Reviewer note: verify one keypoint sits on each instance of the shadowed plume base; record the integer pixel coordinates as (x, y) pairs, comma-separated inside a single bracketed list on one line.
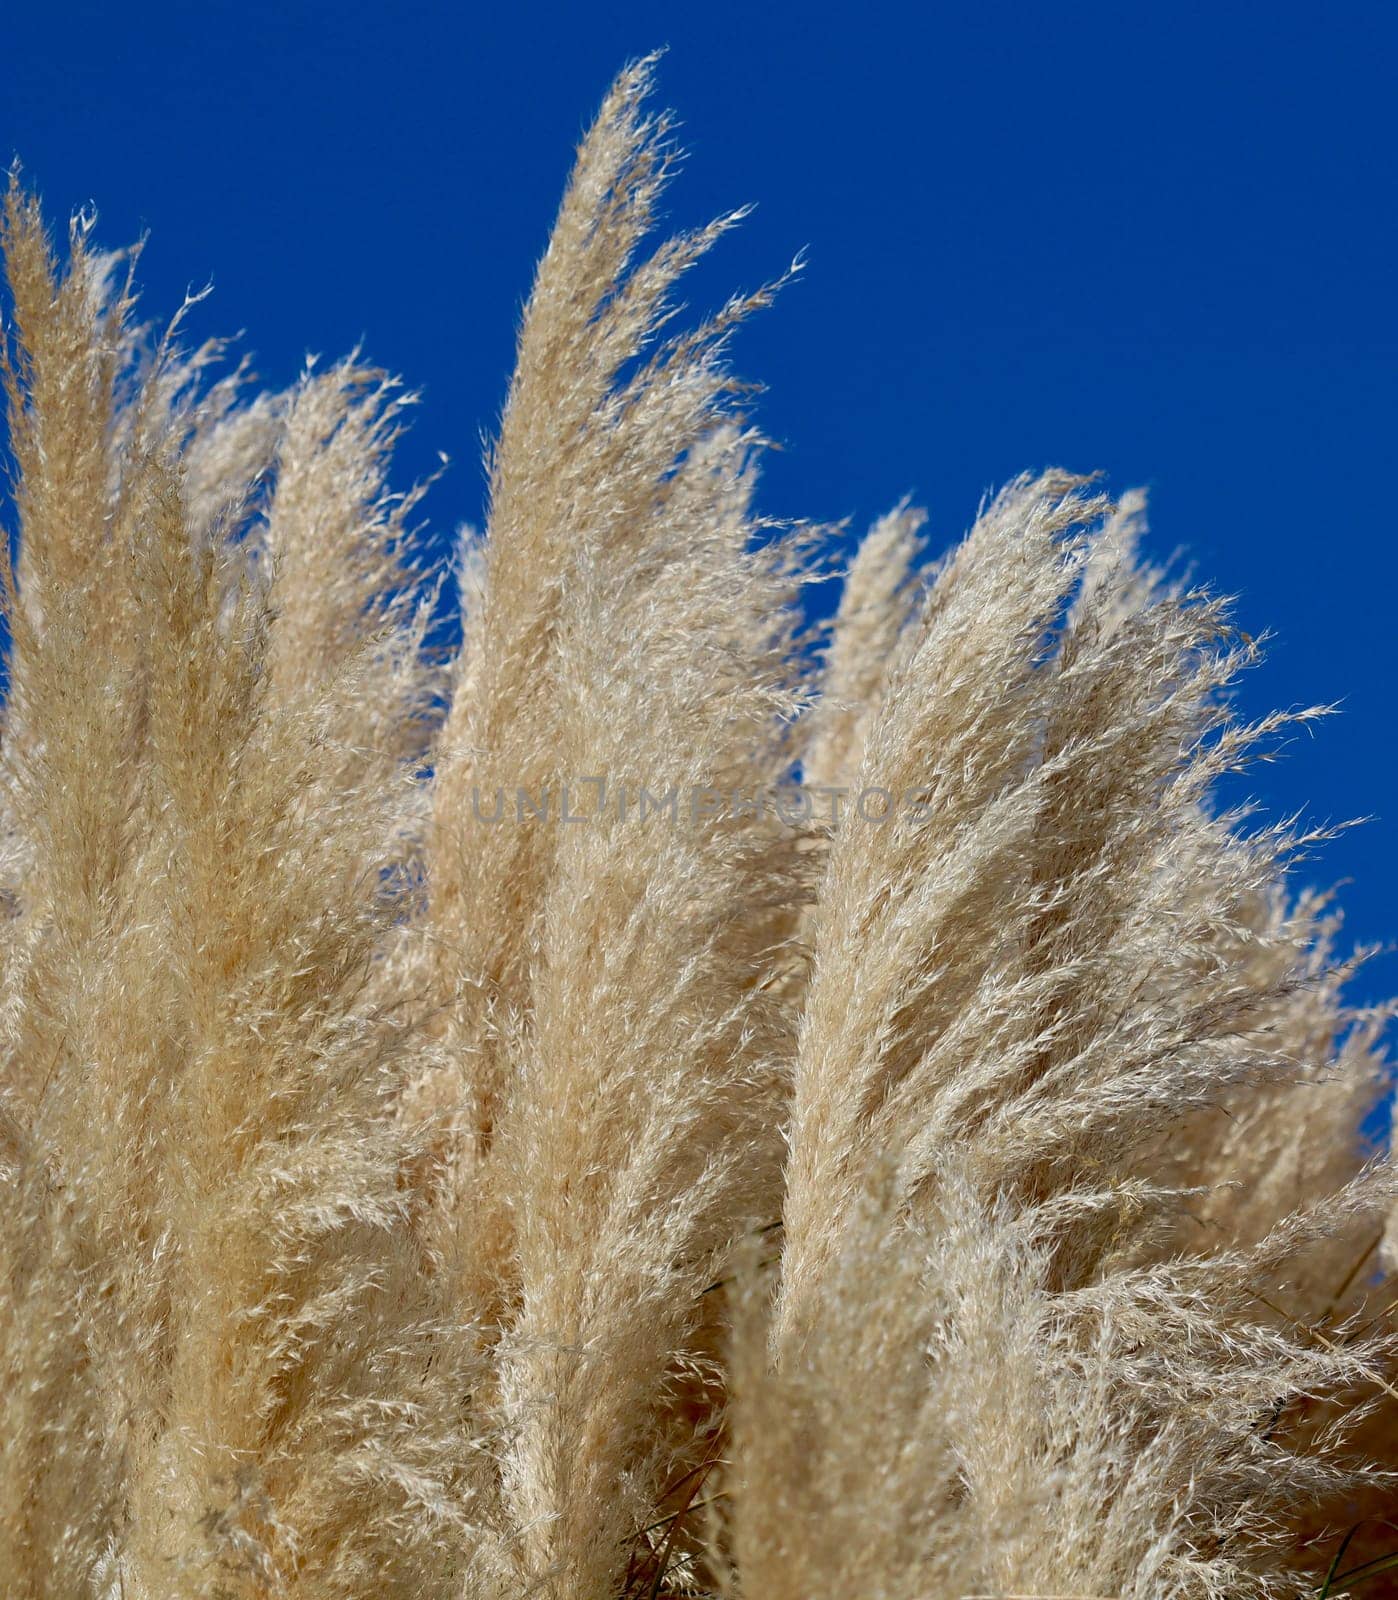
[(964, 1201)]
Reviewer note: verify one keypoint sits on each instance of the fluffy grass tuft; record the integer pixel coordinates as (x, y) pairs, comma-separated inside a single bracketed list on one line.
[(659, 1100)]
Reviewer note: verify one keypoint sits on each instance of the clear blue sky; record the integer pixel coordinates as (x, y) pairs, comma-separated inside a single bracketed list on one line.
[(1154, 240)]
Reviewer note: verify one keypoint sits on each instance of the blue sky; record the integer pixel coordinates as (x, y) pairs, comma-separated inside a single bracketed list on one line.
[(1157, 241)]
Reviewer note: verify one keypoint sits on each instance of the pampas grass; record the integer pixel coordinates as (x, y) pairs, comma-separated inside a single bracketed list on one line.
[(660, 1100)]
